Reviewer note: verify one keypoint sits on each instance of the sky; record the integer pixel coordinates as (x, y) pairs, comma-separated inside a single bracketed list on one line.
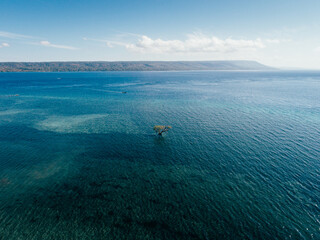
[(279, 33)]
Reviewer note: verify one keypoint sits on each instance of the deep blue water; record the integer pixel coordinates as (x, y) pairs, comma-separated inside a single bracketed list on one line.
[(79, 159)]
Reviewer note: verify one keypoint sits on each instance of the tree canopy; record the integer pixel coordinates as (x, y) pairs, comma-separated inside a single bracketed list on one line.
[(159, 129)]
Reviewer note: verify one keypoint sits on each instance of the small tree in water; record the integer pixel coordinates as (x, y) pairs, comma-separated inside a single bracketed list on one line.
[(159, 129)]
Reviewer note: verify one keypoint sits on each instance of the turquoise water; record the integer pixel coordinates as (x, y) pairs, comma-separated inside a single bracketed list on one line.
[(79, 159)]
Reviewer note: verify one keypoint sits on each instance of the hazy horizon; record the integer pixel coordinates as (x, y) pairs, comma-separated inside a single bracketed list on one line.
[(285, 68), (278, 34)]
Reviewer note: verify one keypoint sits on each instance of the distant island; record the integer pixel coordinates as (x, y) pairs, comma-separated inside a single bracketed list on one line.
[(130, 66)]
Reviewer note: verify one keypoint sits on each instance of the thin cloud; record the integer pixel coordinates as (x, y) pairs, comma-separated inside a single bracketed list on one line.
[(277, 41), (195, 43), (49, 44), (317, 49), (4, 45), (13, 35), (108, 43), (94, 39)]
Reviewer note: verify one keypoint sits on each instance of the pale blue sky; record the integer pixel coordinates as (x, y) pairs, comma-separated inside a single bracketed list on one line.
[(278, 33)]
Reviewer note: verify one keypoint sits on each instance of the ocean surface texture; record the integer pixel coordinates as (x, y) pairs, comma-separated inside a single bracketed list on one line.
[(79, 158)]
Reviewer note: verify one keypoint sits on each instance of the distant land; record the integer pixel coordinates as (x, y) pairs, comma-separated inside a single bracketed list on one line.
[(130, 66)]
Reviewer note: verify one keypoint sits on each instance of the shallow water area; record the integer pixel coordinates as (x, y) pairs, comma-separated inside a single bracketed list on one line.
[(79, 158)]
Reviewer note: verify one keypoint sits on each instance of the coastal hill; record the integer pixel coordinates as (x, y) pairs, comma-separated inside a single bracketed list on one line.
[(130, 66)]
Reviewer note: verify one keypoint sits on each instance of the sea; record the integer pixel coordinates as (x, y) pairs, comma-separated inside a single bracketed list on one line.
[(79, 158)]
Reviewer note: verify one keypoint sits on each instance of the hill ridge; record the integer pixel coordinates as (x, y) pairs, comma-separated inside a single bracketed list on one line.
[(83, 66)]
